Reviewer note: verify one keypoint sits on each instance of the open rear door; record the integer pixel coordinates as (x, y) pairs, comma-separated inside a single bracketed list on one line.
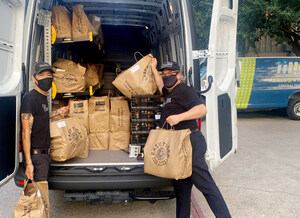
[(11, 40), (215, 46), (221, 119)]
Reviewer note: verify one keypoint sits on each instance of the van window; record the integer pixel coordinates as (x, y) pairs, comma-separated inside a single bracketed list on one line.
[(202, 17), (227, 3), (6, 41), (178, 48)]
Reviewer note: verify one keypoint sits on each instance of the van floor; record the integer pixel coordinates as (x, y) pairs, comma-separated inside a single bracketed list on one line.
[(101, 158)]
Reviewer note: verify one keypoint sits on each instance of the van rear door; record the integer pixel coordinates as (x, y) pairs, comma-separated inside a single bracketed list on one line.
[(11, 40), (221, 115)]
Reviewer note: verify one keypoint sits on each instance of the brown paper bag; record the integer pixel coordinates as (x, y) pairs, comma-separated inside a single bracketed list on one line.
[(138, 79), (34, 201), (99, 141), (96, 28), (99, 114), (119, 115), (68, 138), (168, 154), (85, 152), (61, 20), (119, 140), (80, 108), (94, 74), (68, 76), (96, 23), (81, 26)]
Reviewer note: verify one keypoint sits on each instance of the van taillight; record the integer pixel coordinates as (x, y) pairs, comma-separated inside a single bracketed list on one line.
[(199, 123), (20, 182), (20, 147)]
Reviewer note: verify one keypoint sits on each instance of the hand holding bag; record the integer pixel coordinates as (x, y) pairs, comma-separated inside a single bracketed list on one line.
[(168, 154)]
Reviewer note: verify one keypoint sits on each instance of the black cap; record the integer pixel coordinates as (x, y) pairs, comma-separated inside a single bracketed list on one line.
[(171, 65), (41, 66)]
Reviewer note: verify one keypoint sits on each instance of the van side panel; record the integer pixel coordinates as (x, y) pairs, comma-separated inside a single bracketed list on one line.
[(267, 82), (7, 135)]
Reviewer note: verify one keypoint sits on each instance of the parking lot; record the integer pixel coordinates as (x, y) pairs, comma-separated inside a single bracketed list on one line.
[(260, 180)]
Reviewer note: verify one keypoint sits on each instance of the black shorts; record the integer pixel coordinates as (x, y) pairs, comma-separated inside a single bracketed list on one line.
[(41, 164)]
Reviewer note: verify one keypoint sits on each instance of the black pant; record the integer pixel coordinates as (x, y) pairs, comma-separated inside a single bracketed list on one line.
[(41, 164), (202, 179)]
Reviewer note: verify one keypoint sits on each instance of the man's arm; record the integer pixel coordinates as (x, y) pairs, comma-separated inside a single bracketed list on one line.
[(61, 111), (158, 79), (195, 112), (27, 122)]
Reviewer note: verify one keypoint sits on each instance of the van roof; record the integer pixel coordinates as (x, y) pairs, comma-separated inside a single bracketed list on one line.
[(121, 12)]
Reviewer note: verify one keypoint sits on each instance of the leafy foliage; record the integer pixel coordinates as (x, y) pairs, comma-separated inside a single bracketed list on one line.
[(202, 10), (276, 18)]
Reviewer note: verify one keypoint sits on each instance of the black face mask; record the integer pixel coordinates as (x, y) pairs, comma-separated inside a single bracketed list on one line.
[(44, 84), (169, 81)]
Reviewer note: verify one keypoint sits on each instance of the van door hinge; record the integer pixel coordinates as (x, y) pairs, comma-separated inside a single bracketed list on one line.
[(197, 54)]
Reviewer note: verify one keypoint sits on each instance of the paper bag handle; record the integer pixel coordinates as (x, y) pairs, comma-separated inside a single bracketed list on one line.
[(33, 182), (137, 52), (172, 127)]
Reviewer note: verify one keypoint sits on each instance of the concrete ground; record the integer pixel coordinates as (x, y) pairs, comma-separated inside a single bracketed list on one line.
[(261, 180)]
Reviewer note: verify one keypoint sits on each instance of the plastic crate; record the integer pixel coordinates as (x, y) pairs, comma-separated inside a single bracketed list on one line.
[(151, 101), (142, 126), (144, 111), (143, 114), (139, 138)]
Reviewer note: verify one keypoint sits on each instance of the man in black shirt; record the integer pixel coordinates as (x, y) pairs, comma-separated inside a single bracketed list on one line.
[(35, 124), (181, 107)]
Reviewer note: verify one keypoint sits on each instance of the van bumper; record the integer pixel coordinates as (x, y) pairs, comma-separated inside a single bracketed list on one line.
[(99, 182)]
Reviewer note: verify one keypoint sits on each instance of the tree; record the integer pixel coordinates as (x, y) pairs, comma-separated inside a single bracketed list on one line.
[(276, 18), (202, 10)]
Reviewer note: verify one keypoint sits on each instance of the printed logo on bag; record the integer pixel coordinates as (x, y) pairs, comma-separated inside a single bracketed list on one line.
[(147, 73), (99, 106), (120, 117), (160, 153), (79, 108), (46, 206), (78, 104), (27, 210), (69, 80), (75, 136), (129, 88)]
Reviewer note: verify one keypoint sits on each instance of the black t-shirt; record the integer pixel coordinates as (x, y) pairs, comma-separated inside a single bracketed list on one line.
[(181, 99), (37, 104)]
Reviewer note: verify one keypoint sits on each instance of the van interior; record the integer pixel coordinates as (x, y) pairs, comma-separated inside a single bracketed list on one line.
[(152, 26)]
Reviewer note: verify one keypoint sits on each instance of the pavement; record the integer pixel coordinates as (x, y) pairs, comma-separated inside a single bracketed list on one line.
[(261, 180)]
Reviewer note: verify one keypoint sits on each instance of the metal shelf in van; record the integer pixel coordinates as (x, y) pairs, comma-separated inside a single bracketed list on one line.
[(89, 92)]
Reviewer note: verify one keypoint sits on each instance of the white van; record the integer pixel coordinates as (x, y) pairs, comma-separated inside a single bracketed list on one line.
[(163, 27)]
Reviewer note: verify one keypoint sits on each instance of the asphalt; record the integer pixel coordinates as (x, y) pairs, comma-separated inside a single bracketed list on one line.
[(263, 178)]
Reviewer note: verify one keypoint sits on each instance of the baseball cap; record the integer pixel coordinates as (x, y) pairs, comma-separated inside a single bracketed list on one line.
[(41, 66), (171, 65)]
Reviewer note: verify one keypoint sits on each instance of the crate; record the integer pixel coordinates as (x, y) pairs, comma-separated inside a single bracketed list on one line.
[(142, 126), (144, 114), (139, 138), (146, 101), (144, 111)]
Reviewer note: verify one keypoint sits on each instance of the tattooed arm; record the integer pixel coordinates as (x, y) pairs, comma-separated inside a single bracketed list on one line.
[(27, 122)]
